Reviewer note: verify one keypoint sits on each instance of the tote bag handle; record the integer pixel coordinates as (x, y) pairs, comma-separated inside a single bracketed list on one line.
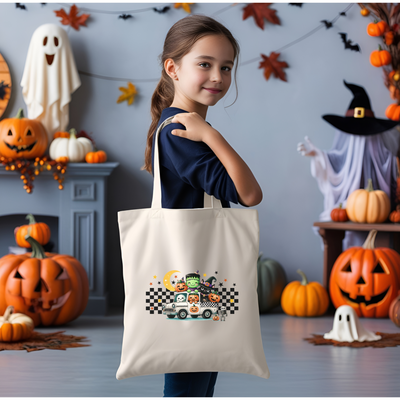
[(209, 201)]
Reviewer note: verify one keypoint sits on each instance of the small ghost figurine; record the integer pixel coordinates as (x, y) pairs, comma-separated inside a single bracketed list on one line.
[(348, 328), (49, 78)]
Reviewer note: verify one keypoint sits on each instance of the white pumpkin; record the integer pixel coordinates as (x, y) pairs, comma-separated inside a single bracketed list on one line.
[(74, 148)]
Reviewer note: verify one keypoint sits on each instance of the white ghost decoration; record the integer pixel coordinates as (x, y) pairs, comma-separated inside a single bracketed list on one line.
[(180, 298), (347, 327), (49, 78)]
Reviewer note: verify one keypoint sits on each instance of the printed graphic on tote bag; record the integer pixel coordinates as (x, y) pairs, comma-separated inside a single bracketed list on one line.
[(192, 298)]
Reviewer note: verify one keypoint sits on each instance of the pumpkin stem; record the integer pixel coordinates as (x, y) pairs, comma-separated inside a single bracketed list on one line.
[(20, 113), (7, 314), (37, 249), (73, 132), (31, 219), (379, 47), (340, 205), (370, 188), (370, 240), (304, 281)]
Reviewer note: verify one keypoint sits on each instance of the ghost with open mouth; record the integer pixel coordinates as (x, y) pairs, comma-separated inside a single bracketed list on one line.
[(49, 78)]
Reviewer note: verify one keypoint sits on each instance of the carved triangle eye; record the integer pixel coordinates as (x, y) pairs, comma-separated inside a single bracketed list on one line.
[(378, 269), (62, 275), (18, 275), (347, 268)]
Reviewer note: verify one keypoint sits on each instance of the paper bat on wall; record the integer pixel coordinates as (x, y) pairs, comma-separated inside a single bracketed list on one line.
[(348, 44), (125, 16), (161, 10)]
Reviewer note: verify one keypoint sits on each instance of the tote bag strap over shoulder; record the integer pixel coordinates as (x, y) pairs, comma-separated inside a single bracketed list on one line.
[(209, 201)]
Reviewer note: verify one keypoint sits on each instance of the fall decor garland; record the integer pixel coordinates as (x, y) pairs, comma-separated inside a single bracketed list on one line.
[(29, 170), (386, 26)]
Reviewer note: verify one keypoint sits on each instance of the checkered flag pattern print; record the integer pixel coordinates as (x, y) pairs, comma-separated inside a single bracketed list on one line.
[(156, 297)]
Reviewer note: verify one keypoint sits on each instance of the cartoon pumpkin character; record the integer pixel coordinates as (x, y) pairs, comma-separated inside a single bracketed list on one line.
[(215, 317), (181, 286), (214, 297), (193, 298), (194, 308)]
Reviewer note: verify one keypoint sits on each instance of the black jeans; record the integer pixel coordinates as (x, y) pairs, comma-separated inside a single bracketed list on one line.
[(190, 384)]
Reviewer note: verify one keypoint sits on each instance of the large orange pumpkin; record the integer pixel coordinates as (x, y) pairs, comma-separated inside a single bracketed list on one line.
[(366, 278), (22, 137), (368, 205), (52, 289), (38, 230)]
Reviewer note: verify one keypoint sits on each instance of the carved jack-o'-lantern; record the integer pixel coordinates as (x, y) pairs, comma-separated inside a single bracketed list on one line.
[(181, 286), (194, 309), (22, 137), (50, 288), (193, 298), (366, 278), (214, 297)]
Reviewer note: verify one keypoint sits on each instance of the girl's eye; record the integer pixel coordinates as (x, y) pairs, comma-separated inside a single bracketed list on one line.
[(204, 63), (227, 69)]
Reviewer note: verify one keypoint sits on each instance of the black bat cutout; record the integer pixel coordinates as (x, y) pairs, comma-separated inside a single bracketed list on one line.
[(3, 88), (348, 44), (296, 4), (21, 6), (327, 24), (125, 16), (161, 10)]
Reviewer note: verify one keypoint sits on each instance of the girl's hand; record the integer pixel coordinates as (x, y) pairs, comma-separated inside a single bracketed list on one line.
[(196, 127)]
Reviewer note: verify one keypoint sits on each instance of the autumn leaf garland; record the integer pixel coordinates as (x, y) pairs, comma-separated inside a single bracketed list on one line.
[(72, 18), (259, 11), (271, 65)]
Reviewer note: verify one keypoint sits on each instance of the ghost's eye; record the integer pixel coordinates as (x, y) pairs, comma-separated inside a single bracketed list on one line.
[(348, 318), (340, 317), (45, 41), (56, 41)]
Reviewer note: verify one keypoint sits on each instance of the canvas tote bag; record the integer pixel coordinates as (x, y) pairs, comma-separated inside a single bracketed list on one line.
[(190, 280)]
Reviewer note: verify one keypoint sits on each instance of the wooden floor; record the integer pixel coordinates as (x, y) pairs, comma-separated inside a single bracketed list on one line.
[(298, 369)]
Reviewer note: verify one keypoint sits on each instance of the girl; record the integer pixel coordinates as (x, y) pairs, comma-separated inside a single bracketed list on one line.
[(198, 56)]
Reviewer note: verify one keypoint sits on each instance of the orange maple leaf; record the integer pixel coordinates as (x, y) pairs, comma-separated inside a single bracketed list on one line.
[(185, 6), (72, 18), (260, 11), (272, 65)]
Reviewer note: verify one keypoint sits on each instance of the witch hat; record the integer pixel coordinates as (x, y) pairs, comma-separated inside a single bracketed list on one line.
[(359, 118)]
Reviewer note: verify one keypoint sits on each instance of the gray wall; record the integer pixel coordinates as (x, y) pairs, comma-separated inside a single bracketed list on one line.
[(264, 125)]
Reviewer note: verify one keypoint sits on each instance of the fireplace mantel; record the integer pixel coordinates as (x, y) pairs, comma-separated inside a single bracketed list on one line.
[(80, 208)]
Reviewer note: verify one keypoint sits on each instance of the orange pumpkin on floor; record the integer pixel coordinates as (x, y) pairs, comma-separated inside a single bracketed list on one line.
[(22, 137), (304, 299), (15, 327), (215, 317), (50, 288), (366, 278), (38, 230)]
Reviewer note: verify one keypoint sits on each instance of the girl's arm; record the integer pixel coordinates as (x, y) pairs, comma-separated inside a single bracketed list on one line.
[(248, 189)]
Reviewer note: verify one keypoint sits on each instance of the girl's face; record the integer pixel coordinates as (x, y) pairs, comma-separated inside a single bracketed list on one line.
[(204, 74)]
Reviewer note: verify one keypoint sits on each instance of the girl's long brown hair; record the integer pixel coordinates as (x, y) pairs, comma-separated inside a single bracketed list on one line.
[(178, 42)]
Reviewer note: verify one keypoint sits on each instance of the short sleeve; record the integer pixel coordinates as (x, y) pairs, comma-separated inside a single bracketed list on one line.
[(197, 165)]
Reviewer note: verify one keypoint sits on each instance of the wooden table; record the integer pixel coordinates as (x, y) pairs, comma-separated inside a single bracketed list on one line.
[(333, 233)]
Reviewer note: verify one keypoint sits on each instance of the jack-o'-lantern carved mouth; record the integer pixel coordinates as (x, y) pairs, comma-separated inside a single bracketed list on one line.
[(37, 304), (18, 149), (361, 299), (49, 58)]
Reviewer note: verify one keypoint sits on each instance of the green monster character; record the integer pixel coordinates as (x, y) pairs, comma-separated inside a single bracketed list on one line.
[(192, 282)]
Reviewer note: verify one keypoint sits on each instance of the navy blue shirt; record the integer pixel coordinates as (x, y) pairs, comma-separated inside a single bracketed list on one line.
[(188, 169)]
